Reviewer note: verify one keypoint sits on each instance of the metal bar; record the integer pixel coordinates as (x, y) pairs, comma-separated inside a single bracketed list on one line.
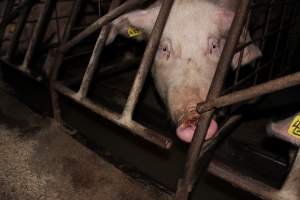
[(94, 60), (109, 70), (125, 7), (15, 12), (38, 33), (135, 128), (252, 92), (8, 7), (185, 185), (148, 58), (20, 26), (228, 124), (57, 59), (283, 14), (37, 78), (289, 191)]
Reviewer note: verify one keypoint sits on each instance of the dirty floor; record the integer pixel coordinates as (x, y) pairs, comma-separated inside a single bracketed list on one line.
[(39, 161)]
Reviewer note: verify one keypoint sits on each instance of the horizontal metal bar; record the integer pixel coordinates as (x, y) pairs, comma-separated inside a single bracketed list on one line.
[(26, 72), (125, 7), (252, 92), (289, 190), (134, 127)]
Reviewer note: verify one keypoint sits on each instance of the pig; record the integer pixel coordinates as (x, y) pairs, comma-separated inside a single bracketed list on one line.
[(286, 129), (188, 54)]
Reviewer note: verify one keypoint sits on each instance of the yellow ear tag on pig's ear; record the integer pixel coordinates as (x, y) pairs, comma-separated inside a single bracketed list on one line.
[(133, 32), (294, 129)]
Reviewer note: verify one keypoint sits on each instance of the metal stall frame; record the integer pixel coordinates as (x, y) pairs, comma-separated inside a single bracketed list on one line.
[(207, 109), (23, 10)]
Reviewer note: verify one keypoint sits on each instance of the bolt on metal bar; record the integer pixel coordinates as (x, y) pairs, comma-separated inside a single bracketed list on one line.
[(38, 33), (185, 185), (125, 7), (135, 128), (252, 92), (20, 26), (94, 60), (148, 58)]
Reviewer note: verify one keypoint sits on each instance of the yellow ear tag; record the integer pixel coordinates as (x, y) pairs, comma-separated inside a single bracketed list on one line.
[(294, 129), (133, 32)]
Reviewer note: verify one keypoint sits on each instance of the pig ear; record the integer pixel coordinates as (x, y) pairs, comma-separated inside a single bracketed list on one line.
[(251, 52), (136, 24)]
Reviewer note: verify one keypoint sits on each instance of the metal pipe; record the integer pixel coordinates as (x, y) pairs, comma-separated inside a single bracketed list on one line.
[(38, 33), (56, 59), (185, 185), (148, 58), (252, 92), (20, 26), (134, 127), (125, 7), (8, 7), (94, 60)]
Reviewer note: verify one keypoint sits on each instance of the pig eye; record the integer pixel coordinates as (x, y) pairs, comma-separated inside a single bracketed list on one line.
[(165, 49), (215, 47)]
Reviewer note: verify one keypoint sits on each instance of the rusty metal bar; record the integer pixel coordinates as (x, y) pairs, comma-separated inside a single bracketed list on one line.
[(38, 33), (125, 7), (139, 130), (289, 191), (57, 59), (228, 124), (185, 185), (147, 59), (20, 25), (94, 60), (252, 92)]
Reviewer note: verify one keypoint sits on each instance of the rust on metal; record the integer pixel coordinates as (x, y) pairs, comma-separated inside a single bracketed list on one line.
[(252, 92), (185, 185), (147, 60), (94, 60), (125, 7), (137, 129)]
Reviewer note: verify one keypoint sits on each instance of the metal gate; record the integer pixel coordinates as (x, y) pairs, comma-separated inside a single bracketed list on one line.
[(272, 34)]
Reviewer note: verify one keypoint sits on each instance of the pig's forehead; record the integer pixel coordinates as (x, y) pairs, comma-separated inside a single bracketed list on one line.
[(191, 23)]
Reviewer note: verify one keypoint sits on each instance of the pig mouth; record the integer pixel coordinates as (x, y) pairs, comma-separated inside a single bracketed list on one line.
[(186, 129)]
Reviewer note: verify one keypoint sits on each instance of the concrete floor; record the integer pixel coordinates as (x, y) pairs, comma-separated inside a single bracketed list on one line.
[(39, 161)]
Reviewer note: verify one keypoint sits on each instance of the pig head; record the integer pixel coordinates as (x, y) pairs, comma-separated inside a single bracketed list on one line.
[(188, 54)]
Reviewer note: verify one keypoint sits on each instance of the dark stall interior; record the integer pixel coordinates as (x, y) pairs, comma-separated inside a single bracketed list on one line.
[(43, 73)]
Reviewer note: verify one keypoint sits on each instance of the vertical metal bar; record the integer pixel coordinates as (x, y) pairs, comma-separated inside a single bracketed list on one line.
[(147, 59), (278, 39), (125, 7), (38, 33), (94, 60), (57, 58), (8, 7), (262, 43), (20, 26), (185, 185)]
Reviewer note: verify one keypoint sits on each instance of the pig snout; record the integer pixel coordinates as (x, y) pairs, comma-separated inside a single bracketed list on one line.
[(186, 128)]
